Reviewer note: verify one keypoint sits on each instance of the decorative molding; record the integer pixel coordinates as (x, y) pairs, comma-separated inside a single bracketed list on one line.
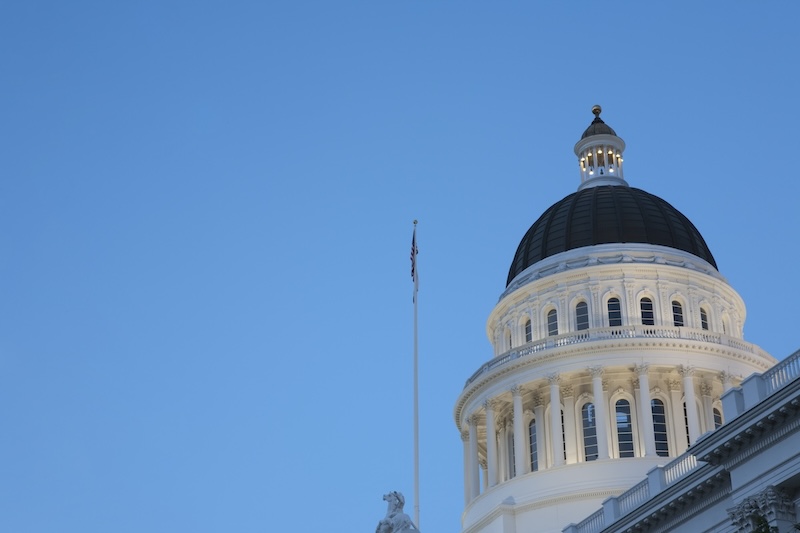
[(685, 371), (705, 388), (490, 404), (641, 369), (516, 390), (596, 371), (772, 503), (554, 379), (465, 436), (567, 391), (674, 384)]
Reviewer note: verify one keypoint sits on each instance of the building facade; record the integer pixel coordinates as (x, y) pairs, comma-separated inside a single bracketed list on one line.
[(615, 341)]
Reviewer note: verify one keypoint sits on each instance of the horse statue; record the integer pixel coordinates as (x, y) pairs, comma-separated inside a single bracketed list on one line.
[(395, 521)]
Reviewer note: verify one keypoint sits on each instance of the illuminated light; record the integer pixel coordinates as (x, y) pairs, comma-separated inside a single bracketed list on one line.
[(591, 172), (611, 169), (599, 151)]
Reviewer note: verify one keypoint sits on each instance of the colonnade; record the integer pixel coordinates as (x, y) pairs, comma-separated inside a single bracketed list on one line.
[(489, 461)]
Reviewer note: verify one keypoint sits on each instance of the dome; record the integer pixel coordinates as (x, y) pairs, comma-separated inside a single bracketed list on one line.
[(607, 214), (598, 127)]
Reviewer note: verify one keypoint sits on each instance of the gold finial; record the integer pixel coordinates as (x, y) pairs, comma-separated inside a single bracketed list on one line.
[(596, 110)]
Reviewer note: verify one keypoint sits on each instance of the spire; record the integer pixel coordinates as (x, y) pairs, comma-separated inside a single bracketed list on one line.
[(600, 154)]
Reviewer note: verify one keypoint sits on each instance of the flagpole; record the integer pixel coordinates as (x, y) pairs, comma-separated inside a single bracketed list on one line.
[(416, 379)]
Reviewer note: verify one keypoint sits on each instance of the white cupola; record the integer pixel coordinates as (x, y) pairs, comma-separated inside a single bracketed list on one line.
[(600, 154)]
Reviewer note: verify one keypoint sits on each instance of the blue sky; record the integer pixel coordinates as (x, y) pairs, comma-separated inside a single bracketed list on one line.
[(206, 208)]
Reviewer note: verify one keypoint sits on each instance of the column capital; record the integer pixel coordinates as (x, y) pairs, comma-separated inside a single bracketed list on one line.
[(516, 390), (686, 371), (489, 404), (705, 388), (554, 379), (473, 420), (596, 371), (725, 377), (641, 369), (465, 436), (537, 399)]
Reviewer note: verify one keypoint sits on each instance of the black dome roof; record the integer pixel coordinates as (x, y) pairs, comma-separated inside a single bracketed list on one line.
[(607, 214), (598, 127)]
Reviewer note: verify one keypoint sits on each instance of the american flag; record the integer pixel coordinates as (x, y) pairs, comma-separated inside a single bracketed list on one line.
[(414, 252)]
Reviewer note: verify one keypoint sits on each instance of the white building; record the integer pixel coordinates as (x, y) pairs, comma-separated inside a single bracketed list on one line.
[(615, 341)]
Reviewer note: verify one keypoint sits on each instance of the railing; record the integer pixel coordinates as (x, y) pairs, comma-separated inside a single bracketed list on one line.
[(679, 467), (782, 373), (591, 524), (634, 497), (623, 332)]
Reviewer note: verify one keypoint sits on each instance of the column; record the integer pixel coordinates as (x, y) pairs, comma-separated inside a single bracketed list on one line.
[(541, 441), (678, 426), (601, 411), (708, 408), (556, 437), (570, 425), (646, 411), (467, 474), (502, 452), (692, 415), (491, 443), (474, 475), (521, 466)]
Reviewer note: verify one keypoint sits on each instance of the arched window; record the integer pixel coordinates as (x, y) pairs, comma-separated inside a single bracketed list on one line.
[(552, 322), (534, 451), (660, 427), (677, 313), (717, 418), (508, 339), (624, 428), (646, 305), (589, 418), (703, 318), (614, 312), (582, 315), (528, 331)]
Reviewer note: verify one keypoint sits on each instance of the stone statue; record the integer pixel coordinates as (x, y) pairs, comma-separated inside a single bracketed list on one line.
[(395, 521)]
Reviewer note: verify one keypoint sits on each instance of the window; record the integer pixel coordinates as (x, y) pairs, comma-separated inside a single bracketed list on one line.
[(648, 318), (703, 319), (582, 315), (677, 313), (660, 427), (534, 451), (624, 428), (686, 422), (510, 447), (589, 418), (614, 312), (528, 331), (552, 323), (717, 418), (563, 435)]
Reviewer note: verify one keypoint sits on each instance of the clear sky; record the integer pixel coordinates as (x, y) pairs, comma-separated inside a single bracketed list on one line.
[(206, 209)]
